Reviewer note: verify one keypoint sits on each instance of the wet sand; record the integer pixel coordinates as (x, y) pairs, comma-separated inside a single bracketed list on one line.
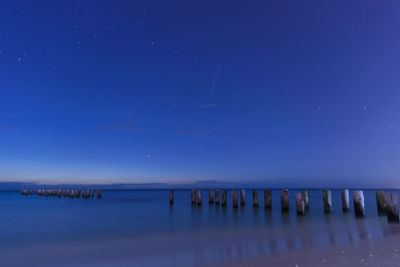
[(384, 253), (204, 248)]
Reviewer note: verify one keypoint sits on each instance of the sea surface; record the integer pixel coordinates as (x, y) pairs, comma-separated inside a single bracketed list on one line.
[(141, 228)]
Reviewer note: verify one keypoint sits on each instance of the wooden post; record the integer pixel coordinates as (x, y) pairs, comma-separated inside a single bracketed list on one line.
[(171, 196), (306, 198), (327, 197), (255, 198), (199, 200), (345, 200), (285, 199), (300, 206), (223, 197), (217, 197), (392, 207), (358, 198), (235, 198), (242, 197), (193, 196), (211, 196), (381, 202), (267, 198), (99, 193)]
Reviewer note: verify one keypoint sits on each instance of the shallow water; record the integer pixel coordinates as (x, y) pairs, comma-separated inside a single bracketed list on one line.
[(196, 235)]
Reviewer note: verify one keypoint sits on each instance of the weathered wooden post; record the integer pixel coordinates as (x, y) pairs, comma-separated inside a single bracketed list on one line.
[(99, 193), (306, 198), (211, 196), (345, 200), (285, 199), (217, 197), (267, 199), (392, 207), (255, 198), (171, 196), (235, 198), (193, 196), (300, 206), (327, 197), (381, 202), (199, 197), (242, 197), (223, 197), (358, 198)]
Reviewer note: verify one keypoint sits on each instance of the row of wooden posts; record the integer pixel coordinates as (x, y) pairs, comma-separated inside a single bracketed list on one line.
[(71, 193), (387, 203)]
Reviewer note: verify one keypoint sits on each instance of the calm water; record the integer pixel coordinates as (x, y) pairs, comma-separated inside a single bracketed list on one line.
[(138, 215)]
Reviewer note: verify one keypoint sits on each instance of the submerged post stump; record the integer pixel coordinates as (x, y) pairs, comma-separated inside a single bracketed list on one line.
[(199, 200), (392, 207), (193, 196), (211, 196), (267, 198), (217, 197), (255, 198), (306, 198), (171, 196), (235, 198), (381, 202), (285, 199), (358, 198), (242, 197), (345, 200), (99, 193), (223, 197), (327, 197), (300, 206)]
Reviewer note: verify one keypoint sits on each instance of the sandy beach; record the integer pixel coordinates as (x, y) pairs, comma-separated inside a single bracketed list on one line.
[(208, 248), (383, 253)]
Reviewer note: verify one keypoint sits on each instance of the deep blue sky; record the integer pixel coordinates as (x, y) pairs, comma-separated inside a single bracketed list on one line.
[(280, 92)]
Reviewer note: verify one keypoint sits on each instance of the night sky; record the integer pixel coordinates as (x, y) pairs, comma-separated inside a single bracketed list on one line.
[(284, 93)]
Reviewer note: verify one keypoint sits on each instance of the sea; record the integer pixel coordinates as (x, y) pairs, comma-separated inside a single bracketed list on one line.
[(141, 228)]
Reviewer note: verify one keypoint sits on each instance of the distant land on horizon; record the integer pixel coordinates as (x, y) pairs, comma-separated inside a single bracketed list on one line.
[(194, 185)]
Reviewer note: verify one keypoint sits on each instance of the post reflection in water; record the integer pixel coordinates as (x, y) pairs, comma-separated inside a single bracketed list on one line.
[(208, 233)]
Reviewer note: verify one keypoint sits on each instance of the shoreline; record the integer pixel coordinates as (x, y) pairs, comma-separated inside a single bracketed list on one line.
[(383, 253), (230, 247)]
